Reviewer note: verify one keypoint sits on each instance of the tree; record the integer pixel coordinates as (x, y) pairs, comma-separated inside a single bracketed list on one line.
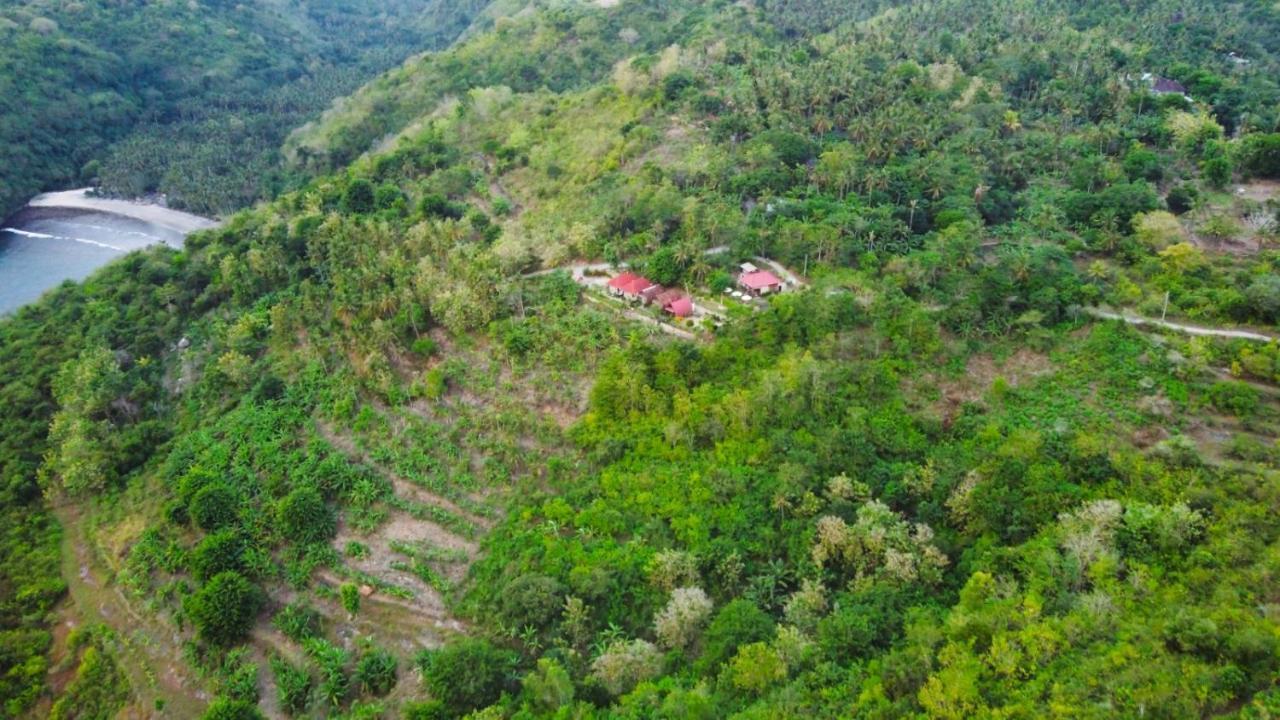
[(624, 664), (224, 608), (359, 196), (1260, 155), (465, 675), (663, 267), (680, 622), (81, 436), (756, 667), (1264, 297), (548, 687), (304, 517), (532, 600), (738, 623)]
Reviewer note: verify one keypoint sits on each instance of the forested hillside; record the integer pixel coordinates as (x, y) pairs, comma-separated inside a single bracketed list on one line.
[(401, 444), (188, 99)]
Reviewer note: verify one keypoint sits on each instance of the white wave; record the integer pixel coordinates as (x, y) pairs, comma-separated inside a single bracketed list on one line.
[(46, 236), (117, 231)]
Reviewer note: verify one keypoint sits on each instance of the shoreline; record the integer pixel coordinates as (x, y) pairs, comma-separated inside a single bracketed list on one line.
[(174, 220)]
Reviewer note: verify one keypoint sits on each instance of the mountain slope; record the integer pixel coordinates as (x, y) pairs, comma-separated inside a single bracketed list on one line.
[(199, 96), (361, 429)]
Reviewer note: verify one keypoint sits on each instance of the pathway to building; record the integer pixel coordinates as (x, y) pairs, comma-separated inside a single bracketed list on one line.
[(1179, 327)]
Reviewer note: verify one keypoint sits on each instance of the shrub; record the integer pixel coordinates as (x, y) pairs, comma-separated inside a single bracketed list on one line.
[(738, 623), (214, 506), (220, 552), (845, 634), (349, 593), (670, 569), (1260, 155), (293, 686), (298, 622), (359, 196), (549, 687), (303, 516), (376, 672), (1236, 398), (1263, 295), (228, 709), (532, 600), (224, 608), (465, 675)]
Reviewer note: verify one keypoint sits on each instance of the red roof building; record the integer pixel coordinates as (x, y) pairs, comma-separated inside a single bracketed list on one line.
[(681, 307), (760, 282), (619, 282)]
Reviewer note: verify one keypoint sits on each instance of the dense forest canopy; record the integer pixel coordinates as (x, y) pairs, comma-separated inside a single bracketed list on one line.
[(386, 447), (188, 99)]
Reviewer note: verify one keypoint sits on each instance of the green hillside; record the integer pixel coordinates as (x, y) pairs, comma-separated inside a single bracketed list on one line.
[(388, 447), (188, 99)]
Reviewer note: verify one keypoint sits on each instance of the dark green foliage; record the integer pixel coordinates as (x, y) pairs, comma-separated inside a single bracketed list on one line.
[(358, 197), (465, 675), (228, 709), (1260, 155), (1263, 295), (663, 268), (224, 608), (1181, 198), (1234, 397), (532, 601), (375, 672), (220, 552), (214, 506), (738, 623), (191, 101), (304, 517)]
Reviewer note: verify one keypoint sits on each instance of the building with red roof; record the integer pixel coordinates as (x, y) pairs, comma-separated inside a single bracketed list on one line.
[(760, 282), (630, 285), (681, 307)]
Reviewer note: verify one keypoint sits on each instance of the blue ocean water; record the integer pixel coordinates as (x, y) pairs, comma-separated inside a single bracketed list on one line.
[(41, 248)]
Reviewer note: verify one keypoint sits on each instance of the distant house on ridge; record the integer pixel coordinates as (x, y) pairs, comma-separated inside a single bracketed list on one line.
[(760, 282)]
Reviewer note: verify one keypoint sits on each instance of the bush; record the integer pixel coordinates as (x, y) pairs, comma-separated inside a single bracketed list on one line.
[(293, 686), (1263, 295), (298, 622), (465, 675), (349, 593), (359, 196), (214, 506), (1260, 155), (1181, 199), (303, 516), (1236, 398), (223, 609), (228, 709), (738, 623), (532, 601), (220, 552), (376, 672)]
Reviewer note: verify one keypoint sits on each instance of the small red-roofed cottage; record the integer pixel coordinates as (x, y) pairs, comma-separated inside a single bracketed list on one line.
[(618, 283), (760, 282), (681, 307)]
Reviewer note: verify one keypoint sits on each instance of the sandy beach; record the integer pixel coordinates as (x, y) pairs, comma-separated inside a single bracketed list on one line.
[(175, 220)]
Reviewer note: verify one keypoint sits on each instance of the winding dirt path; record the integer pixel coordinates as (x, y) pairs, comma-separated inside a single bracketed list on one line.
[(1179, 327)]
